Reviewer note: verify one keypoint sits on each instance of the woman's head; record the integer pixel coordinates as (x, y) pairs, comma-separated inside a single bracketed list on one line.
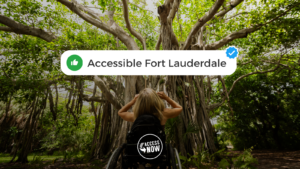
[(148, 102)]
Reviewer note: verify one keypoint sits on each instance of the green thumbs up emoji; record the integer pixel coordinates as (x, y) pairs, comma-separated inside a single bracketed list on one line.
[(74, 62)]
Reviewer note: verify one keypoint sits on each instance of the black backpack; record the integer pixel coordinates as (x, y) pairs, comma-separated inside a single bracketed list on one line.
[(145, 124)]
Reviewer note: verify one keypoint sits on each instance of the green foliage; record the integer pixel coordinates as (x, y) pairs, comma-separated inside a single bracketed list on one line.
[(223, 164), (265, 111), (245, 160), (179, 91), (65, 136), (4, 155), (5, 158), (191, 128), (97, 164), (161, 81), (201, 159), (170, 128), (13, 131), (37, 160)]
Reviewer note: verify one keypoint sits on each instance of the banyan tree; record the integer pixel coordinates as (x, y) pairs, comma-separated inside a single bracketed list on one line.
[(59, 25)]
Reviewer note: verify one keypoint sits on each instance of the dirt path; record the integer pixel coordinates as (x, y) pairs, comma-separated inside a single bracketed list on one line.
[(268, 159)]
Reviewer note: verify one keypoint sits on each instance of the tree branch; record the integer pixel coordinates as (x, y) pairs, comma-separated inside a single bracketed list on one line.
[(141, 7), (209, 89), (75, 7), (92, 91), (19, 28), (7, 75), (233, 16), (128, 25), (244, 32), (100, 83), (229, 6), (112, 84), (200, 39), (224, 87), (216, 105), (6, 29), (88, 11), (92, 98), (245, 63), (235, 35), (207, 17), (270, 62), (173, 11), (114, 29), (140, 83), (252, 73), (280, 15), (157, 46)]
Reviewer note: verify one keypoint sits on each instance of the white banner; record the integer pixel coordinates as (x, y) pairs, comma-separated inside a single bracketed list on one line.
[(101, 62)]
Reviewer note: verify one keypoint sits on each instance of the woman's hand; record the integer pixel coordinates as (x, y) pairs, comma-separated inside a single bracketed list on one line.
[(174, 111), (134, 99), (162, 95)]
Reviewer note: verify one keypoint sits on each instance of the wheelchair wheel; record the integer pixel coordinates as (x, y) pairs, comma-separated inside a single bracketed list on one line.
[(174, 158), (112, 162), (177, 158)]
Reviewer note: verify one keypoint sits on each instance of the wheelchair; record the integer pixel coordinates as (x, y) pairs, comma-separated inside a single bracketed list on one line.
[(145, 147)]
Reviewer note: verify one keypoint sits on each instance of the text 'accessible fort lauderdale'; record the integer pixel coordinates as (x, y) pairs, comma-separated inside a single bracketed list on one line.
[(161, 63)]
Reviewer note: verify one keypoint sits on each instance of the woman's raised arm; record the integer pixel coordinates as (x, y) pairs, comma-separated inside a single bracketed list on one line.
[(170, 113), (128, 116)]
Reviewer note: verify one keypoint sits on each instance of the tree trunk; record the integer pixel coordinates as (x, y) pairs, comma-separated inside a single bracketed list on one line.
[(182, 90), (27, 136), (276, 131), (168, 38), (96, 130), (130, 92), (206, 128), (51, 102), (104, 136)]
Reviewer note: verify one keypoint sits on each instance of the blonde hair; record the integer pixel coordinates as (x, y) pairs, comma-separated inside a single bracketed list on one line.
[(148, 102)]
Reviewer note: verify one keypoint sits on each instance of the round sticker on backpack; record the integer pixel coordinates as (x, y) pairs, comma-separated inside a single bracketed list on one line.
[(150, 146)]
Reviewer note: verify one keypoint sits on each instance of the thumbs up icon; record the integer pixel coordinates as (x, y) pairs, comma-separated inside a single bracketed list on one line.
[(74, 62)]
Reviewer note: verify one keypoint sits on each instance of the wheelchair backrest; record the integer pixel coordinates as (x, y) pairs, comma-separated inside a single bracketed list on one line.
[(145, 124), (147, 137)]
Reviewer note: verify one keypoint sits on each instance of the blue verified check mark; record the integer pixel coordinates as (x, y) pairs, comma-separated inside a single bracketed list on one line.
[(232, 52)]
